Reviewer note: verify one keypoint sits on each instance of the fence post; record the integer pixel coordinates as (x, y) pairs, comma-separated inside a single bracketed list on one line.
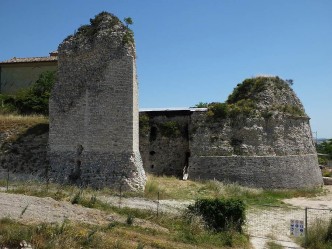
[(120, 199), (158, 205), (7, 178), (306, 226)]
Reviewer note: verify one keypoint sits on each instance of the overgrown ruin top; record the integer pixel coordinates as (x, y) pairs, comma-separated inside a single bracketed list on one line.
[(104, 30), (267, 94)]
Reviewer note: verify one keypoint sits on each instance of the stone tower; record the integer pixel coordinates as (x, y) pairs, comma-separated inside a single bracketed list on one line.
[(93, 137), (260, 137)]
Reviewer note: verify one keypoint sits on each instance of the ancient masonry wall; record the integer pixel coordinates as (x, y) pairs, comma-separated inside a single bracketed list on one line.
[(164, 143), (259, 171), (274, 152), (93, 135)]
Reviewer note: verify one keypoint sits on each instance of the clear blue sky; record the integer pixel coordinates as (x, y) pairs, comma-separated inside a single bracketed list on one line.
[(196, 50)]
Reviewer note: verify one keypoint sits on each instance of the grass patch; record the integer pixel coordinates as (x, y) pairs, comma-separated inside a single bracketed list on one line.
[(75, 235), (273, 245), (12, 121), (168, 188), (172, 188), (319, 235), (19, 124)]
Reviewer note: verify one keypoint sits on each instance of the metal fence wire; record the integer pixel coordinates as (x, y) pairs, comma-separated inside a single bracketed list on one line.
[(283, 223), (272, 222)]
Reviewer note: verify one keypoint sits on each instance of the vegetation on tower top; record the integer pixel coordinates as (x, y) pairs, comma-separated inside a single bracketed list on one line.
[(256, 97)]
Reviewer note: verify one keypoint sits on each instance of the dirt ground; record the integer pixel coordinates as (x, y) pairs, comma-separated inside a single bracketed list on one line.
[(266, 224), (274, 223)]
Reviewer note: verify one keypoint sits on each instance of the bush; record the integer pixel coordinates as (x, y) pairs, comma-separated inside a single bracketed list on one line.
[(220, 214), (144, 123), (170, 129), (202, 105), (242, 107), (319, 235), (250, 87), (218, 110)]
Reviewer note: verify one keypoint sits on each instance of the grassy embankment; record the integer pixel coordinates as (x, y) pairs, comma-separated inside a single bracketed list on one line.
[(183, 232)]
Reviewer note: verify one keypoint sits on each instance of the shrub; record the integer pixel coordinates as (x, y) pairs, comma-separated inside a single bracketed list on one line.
[(293, 110), (144, 123), (130, 220), (322, 161), (218, 110), (202, 105), (220, 214), (319, 235), (242, 107), (250, 87), (247, 89), (170, 129)]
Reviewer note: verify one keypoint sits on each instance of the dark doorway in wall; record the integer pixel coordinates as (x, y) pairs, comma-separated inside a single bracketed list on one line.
[(153, 133), (76, 172)]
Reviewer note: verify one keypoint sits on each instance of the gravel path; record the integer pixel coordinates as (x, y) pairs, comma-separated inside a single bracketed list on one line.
[(264, 223), (165, 206), (30, 209)]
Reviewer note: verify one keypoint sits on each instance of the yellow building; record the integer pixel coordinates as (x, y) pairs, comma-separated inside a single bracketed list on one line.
[(20, 73)]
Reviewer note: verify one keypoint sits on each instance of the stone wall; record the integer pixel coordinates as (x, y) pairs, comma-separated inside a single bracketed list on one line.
[(94, 110), (271, 152), (164, 143), (297, 171), (25, 153)]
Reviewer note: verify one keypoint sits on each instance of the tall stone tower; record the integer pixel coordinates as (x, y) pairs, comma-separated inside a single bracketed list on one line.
[(93, 136)]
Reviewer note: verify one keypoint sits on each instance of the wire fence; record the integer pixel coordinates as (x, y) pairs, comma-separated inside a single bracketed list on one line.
[(272, 221), (283, 223)]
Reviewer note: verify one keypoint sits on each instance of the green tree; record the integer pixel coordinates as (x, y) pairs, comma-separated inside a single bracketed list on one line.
[(325, 148)]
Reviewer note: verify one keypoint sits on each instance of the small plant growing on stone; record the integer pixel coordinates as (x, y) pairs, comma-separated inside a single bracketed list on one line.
[(170, 129), (128, 37), (128, 21), (202, 105)]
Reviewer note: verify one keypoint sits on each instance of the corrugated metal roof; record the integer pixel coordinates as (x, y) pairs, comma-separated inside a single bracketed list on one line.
[(30, 59), (192, 109)]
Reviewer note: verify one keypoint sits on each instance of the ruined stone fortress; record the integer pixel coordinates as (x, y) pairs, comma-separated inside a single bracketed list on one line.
[(260, 137)]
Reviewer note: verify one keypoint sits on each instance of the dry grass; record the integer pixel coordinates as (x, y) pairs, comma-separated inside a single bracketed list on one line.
[(173, 188), (11, 121), (15, 125), (113, 235)]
